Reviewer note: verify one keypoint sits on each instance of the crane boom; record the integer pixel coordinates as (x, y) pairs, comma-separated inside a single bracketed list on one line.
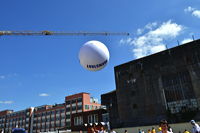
[(40, 33)]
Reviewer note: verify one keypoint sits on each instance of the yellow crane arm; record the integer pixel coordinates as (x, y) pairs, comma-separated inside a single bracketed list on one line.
[(45, 32)]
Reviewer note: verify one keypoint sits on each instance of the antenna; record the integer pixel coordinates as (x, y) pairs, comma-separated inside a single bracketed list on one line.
[(166, 46), (193, 37), (178, 42)]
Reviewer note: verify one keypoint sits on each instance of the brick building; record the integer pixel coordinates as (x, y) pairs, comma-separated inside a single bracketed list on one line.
[(48, 117), (10, 119), (77, 103)]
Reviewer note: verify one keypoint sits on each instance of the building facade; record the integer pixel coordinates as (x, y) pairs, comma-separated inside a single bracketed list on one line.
[(110, 101), (10, 120), (77, 103), (161, 85), (84, 120), (48, 117)]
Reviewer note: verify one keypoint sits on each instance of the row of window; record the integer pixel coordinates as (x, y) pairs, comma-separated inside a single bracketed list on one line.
[(14, 119), (91, 119), (27, 122), (182, 105), (49, 125), (74, 108), (91, 107), (80, 99), (49, 113), (47, 120), (13, 125), (17, 114), (79, 107), (2, 117)]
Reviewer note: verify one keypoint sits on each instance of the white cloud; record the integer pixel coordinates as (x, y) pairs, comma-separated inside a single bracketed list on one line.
[(125, 41), (193, 11), (167, 30), (43, 95), (6, 102), (196, 13), (186, 40), (189, 9), (152, 40), (5, 76), (139, 31), (149, 26), (158, 48), (2, 76)]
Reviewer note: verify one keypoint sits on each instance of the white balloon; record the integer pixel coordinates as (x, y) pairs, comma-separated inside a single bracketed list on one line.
[(94, 55)]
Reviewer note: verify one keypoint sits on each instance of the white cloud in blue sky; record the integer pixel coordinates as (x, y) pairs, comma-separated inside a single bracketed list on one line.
[(152, 37), (4, 76), (6, 102), (149, 26), (186, 40), (44, 95), (193, 11)]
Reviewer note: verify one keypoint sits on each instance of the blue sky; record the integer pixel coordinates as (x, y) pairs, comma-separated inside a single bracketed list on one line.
[(38, 70)]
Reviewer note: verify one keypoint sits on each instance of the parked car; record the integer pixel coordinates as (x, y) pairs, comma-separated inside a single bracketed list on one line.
[(18, 130)]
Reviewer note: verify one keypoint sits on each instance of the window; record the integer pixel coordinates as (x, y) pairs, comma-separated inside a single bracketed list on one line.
[(73, 101), (57, 111), (93, 118), (44, 113), (52, 118), (80, 107), (57, 124), (48, 113), (67, 109), (57, 118), (52, 113), (68, 102), (90, 119), (68, 124), (73, 108), (62, 124), (68, 116), (78, 120), (62, 117), (62, 111), (80, 99), (86, 106)]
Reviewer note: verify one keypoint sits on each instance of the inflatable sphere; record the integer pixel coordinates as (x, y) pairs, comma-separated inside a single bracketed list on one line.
[(94, 55)]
